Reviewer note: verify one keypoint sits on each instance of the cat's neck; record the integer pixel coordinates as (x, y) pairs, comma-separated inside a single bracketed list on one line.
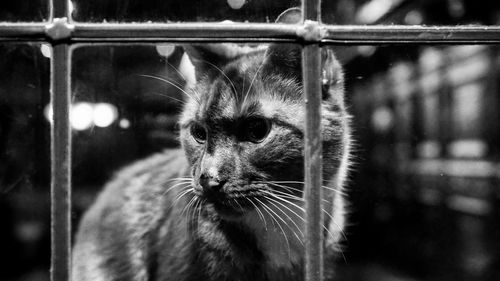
[(250, 248)]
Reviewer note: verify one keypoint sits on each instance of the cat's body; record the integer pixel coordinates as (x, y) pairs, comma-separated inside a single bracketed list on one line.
[(229, 206)]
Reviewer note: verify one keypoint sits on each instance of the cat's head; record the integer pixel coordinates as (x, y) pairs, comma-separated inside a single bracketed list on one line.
[(242, 127)]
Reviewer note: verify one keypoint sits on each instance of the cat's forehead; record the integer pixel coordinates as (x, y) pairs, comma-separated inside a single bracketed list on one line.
[(245, 87), (242, 92)]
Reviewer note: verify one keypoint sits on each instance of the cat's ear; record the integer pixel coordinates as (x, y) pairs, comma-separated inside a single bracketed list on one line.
[(286, 58), (210, 58), (332, 76), (290, 16)]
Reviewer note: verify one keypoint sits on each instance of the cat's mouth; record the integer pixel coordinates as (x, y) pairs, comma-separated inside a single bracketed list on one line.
[(230, 205)]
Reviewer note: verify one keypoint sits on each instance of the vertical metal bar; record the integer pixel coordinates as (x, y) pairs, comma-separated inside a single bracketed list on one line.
[(313, 166), (60, 152), (311, 10), (60, 165), (59, 9), (313, 162)]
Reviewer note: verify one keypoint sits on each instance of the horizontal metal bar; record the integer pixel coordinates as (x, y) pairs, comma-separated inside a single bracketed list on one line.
[(402, 34), (217, 32), (256, 32), (22, 31)]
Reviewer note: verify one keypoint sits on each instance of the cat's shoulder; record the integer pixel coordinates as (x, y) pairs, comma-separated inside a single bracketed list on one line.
[(127, 207), (168, 163), (140, 181)]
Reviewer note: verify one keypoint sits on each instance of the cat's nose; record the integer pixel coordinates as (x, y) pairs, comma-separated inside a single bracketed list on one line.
[(210, 184)]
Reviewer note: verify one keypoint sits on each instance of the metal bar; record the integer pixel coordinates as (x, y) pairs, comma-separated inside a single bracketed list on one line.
[(260, 32), (60, 9), (60, 142), (22, 32), (401, 34), (311, 71), (257, 32), (61, 165), (311, 10)]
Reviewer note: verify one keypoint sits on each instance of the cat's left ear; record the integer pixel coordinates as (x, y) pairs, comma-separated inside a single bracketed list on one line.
[(289, 55), (209, 58), (332, 76)]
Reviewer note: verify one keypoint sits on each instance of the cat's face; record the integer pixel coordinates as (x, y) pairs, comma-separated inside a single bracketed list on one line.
[(241, 129), (243, 126)]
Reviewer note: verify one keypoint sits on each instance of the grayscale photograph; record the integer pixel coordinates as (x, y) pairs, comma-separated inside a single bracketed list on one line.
[(250, 140)]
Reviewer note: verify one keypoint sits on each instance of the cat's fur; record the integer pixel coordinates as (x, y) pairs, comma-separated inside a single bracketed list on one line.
[(148, 225)]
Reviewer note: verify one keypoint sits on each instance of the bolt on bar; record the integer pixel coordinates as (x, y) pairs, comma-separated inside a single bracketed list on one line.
[(60, 152), (313, 166)]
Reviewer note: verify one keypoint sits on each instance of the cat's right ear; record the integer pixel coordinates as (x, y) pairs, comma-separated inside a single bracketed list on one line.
[(290, 16), (210, 58)]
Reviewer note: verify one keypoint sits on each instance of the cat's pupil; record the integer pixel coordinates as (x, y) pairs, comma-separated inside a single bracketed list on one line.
[(257, 129), (199, 133)]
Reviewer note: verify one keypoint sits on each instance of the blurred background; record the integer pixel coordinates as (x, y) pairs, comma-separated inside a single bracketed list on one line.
[(425, 193)]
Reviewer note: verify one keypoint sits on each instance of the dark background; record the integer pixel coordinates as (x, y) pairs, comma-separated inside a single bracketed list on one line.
[(425, 190)]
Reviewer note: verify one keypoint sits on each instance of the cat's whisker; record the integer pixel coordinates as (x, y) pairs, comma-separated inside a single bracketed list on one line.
[(300, 182), (238, 203), (293, 197), (288, 195), (222, 72), (282, 198), (177, 70), (338, 226), (259, 212), (272, 201), (253, 80), (183, 184), (282, 230), (183, 102), (174, 201), (192, 212), (264, 208), (293, 189), (200, 206), (303, 210), (243, 84), (196, 205), (179, 178), (171, 83), (335, 190), (180, 195), (187, 207)]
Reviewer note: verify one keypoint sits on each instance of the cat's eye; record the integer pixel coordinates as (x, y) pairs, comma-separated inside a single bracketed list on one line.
[(256, 129), (199, 133)]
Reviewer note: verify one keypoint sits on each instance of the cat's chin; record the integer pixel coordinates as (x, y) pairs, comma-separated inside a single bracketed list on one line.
[(228, 213)]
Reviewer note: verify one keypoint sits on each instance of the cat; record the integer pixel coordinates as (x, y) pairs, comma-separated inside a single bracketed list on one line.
[(228, 205)]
